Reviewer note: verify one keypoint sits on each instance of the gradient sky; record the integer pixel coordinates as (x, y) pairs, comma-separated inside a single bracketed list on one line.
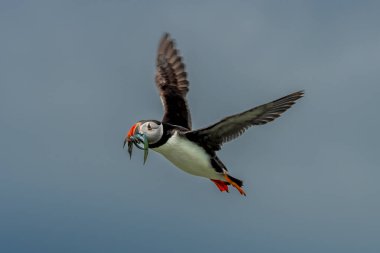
[(75, 75)]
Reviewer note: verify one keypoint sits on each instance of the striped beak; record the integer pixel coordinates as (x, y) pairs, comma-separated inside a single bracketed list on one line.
[(134, 137)]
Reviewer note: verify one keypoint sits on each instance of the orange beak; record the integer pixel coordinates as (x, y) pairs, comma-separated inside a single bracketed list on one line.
[(131, 132)]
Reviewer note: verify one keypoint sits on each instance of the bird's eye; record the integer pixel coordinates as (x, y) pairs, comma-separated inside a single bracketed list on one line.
[(149, 127)]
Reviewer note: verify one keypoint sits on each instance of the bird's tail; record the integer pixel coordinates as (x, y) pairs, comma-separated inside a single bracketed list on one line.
[(236, 181)]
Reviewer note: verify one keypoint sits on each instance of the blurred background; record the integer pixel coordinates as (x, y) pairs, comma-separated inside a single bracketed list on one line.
[(76, 75)]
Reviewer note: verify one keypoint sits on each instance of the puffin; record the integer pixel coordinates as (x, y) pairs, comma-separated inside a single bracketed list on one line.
[(194, 151)]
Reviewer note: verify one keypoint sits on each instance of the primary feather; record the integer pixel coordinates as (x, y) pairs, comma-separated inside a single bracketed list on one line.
[(172, 83), (233, 126)]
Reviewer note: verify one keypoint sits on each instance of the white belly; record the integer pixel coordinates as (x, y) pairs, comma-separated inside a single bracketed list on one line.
[(188, 156)]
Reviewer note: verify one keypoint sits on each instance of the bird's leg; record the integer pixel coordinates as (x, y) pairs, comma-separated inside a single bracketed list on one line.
[(228, 179)]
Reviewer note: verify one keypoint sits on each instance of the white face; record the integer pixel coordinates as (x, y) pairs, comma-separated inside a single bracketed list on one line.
[(152, 131)]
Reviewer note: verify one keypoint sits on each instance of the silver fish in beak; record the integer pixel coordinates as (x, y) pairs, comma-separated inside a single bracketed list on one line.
[(135, 138)]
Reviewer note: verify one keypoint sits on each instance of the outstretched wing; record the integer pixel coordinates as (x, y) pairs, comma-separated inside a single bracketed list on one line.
[(233, 126), (172, 83)]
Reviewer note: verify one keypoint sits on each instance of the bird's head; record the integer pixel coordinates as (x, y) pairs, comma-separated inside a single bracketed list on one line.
[(146, 132)]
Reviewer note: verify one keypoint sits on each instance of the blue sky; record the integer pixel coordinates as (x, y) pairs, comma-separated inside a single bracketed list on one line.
[(75, 75)]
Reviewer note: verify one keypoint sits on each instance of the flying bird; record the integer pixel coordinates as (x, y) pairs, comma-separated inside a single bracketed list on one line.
[(194, 151)]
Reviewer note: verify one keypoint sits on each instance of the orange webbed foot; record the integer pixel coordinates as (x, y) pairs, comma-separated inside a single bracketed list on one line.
[(222, 186), (228, 179)]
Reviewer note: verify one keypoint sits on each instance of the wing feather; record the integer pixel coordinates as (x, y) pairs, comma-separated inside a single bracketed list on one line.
[(172, 83), (233, 126)]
